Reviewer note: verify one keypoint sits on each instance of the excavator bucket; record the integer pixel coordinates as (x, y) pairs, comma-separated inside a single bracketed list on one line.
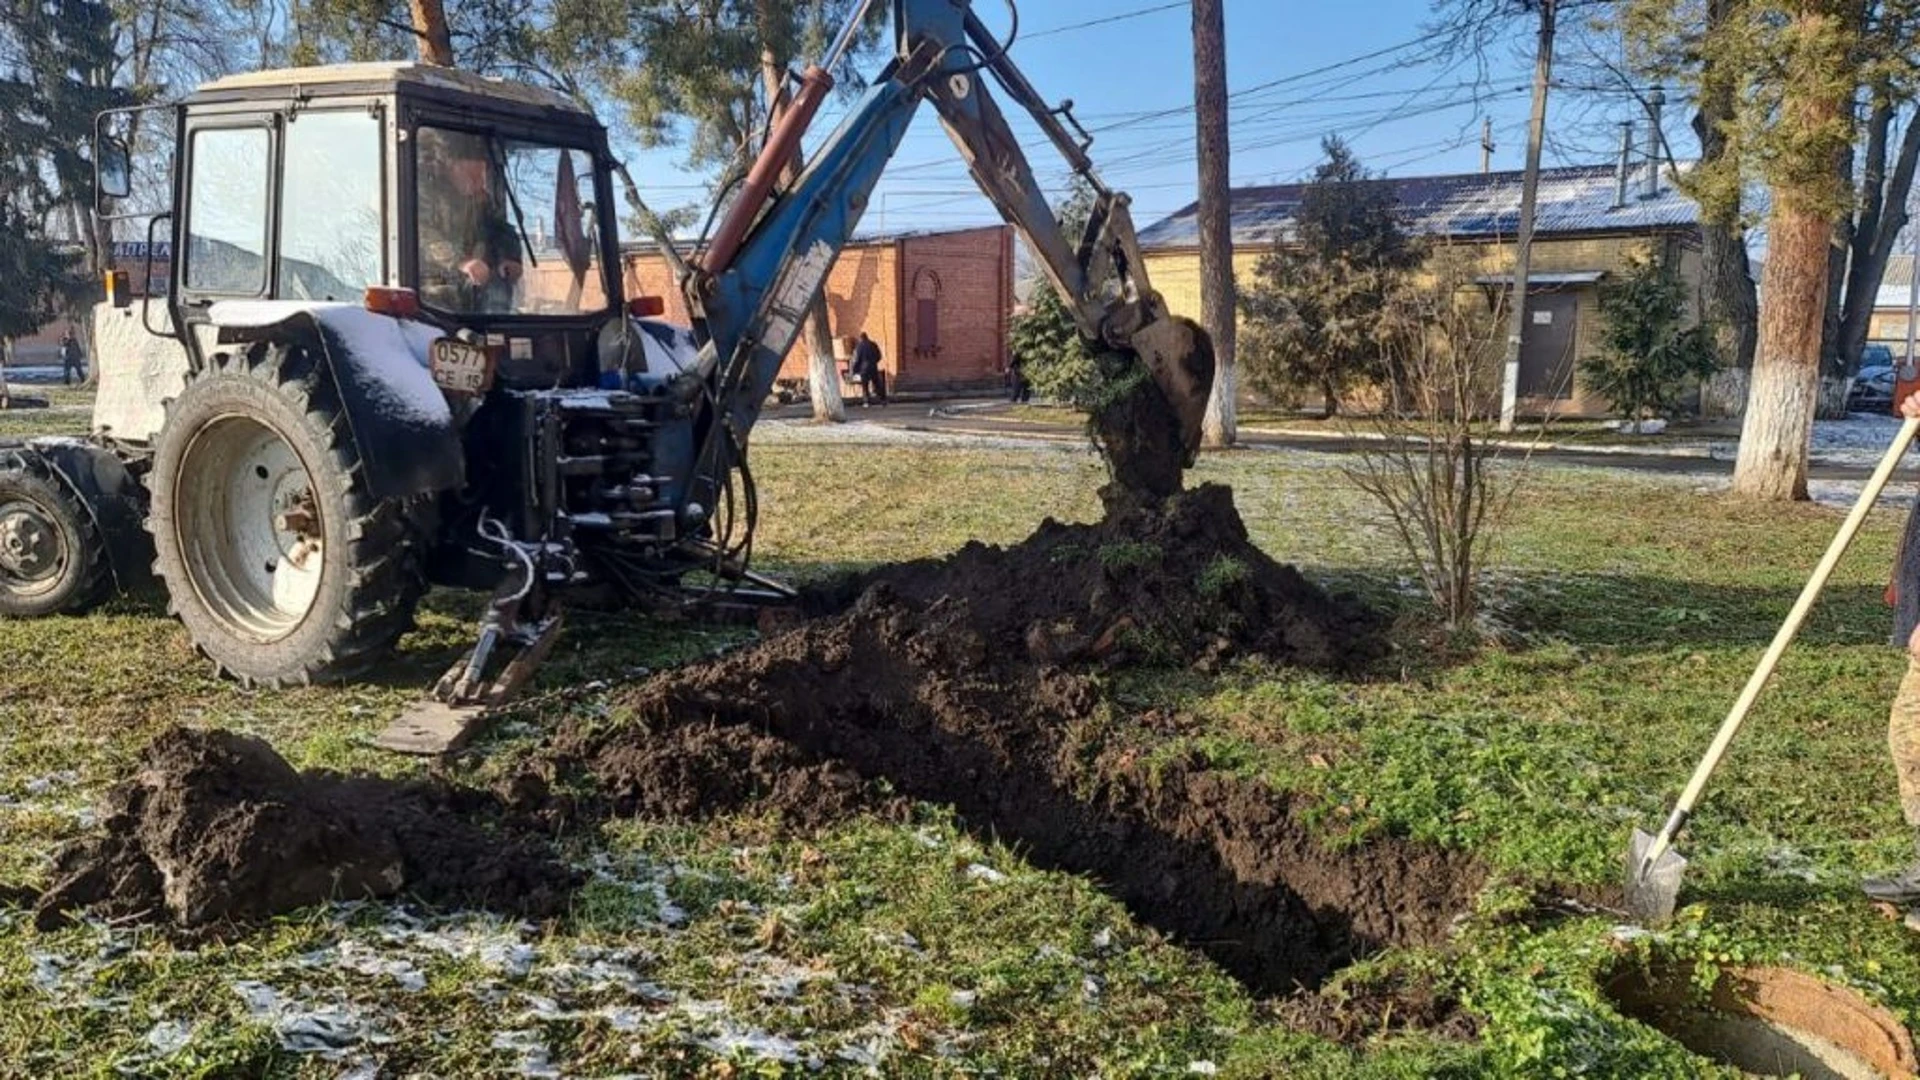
[(1179, 355)]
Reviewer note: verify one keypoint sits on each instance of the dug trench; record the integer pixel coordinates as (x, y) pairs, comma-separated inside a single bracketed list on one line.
[(971, 681), (966, 682)]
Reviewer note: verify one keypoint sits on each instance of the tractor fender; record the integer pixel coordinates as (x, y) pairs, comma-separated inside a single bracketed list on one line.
[(399, 418), (113, 498)]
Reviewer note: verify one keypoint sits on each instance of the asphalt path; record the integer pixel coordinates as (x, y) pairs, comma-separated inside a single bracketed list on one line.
[(987, 417)]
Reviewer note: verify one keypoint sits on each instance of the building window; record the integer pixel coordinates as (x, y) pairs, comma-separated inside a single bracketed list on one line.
[(926, 313)]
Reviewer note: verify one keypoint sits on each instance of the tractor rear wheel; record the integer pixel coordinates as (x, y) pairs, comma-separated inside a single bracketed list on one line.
[(52, 561), (282, 566)]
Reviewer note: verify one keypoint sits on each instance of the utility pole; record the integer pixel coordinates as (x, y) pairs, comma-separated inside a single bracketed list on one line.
[(1486, 145), (1218, 310), (1529, 197)]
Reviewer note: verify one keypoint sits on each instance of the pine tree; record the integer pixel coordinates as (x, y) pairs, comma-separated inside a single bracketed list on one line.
[(1311, 315), (53, 56)]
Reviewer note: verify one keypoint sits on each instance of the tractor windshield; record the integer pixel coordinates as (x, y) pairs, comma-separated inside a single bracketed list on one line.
[(506, 226)]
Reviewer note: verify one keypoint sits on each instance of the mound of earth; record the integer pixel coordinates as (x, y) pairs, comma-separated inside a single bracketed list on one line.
[(963, 696), (214, 827), (1165, 580)]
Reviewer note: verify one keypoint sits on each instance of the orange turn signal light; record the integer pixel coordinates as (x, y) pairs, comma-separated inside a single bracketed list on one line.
[(647, 307), (119, 292), (398, 303)]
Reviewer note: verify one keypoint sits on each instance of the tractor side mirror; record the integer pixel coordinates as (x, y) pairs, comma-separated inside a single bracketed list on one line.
[(112, 168)]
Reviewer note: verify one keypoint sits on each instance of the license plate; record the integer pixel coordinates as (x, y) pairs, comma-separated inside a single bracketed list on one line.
[(461, 368)]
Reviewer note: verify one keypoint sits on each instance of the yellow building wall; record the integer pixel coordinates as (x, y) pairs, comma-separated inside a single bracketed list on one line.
[(1176, 274)]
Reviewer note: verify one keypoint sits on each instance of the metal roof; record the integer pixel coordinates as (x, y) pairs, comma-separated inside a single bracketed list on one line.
[(1476, 206), (393, 72)]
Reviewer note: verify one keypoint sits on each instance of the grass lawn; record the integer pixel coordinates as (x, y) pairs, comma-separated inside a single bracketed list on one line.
[(1633, 608)]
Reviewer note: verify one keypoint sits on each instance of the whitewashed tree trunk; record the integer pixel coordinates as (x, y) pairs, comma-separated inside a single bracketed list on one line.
[(1778, 428), (6, 361), (823, 372)]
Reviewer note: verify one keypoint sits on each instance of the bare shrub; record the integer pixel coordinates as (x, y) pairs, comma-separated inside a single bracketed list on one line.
[(1428, 448)]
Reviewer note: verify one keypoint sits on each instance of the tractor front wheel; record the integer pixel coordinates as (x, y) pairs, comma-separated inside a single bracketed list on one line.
[(282, 566), (51, 559)]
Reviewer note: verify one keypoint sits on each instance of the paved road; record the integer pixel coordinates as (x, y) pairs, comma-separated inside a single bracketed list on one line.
[(986, 417)]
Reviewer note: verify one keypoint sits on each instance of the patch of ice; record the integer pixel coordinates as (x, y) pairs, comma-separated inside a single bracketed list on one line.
[(1103, 939), (169, 1037), (48, 973), (733, 1040), (41, 785), (983, 872), (535, 1059), (963, 999), (1202, 1068)]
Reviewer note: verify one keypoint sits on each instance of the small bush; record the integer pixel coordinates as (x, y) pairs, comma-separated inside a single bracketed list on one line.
[(1647, 356)]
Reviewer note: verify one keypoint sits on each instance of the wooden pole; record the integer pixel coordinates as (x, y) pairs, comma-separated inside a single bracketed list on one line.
[(1529, 197)]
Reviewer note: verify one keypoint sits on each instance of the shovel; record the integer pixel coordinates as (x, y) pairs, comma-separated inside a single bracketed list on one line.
[(1654, 868)]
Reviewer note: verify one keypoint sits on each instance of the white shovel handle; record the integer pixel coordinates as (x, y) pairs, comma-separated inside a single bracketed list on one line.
[(1784, 637)]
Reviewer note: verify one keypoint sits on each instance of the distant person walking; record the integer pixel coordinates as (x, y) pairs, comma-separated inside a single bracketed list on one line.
[(73, 360), (1018, 389), (866, 369)]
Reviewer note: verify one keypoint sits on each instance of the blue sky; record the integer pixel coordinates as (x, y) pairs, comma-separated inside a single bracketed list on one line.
[(1406, 111)]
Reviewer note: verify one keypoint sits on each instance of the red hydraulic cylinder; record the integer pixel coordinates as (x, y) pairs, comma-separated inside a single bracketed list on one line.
[(782, 146)]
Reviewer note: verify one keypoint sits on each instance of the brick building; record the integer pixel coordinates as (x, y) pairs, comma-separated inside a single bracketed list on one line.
[(1589, 221), (937, 303)]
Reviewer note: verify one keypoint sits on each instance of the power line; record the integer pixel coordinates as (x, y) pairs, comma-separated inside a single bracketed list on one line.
[(1050, 31)]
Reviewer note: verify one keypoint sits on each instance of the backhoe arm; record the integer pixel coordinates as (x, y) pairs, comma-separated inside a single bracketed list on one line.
[(771, 253)]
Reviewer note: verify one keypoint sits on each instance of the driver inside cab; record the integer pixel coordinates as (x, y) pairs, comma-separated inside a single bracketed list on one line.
[(470, 252)]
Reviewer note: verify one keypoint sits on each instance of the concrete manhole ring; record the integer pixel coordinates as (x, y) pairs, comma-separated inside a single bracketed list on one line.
[(1769, 1021)]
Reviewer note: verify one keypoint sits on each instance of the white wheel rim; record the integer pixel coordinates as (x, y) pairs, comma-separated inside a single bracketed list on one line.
[(31, 554), (250, 527)]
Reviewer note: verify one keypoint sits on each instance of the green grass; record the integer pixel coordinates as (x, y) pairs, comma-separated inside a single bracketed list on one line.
[(1636, 607)]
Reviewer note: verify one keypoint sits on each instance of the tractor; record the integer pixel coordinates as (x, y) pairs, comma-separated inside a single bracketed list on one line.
[(394, 351)]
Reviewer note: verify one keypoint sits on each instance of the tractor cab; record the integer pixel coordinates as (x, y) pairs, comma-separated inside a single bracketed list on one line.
[(485, 198)]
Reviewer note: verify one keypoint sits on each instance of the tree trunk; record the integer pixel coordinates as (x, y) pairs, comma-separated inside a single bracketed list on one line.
[(1730, 298), (823, 374), (1875, 239), (1217, 288), (1786, 374), (6, 361), (1329, 399), (430, 30)]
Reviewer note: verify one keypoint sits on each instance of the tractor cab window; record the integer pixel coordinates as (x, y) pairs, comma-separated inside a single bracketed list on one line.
[(506, 226), (227, 211), (330, 230)]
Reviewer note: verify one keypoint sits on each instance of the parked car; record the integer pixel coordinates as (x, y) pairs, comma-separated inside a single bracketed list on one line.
[(1873, 386)]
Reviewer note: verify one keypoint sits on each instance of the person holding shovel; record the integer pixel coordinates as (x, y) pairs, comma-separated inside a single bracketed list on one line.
[(1903, 729)]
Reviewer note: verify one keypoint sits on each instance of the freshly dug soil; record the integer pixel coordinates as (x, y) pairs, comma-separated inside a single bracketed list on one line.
[(214, 827), (1176, 580), (950, 679), (698, 771)]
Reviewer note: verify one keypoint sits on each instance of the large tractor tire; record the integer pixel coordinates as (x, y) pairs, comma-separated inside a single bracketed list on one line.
[(52, 561), (283, 568)]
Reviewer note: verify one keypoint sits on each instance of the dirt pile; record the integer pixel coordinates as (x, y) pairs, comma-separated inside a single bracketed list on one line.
[(214, 827), (954, 681), (1176, 580)]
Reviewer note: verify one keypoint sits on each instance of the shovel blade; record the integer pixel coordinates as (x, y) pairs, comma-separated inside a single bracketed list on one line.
[(1653, 889)]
